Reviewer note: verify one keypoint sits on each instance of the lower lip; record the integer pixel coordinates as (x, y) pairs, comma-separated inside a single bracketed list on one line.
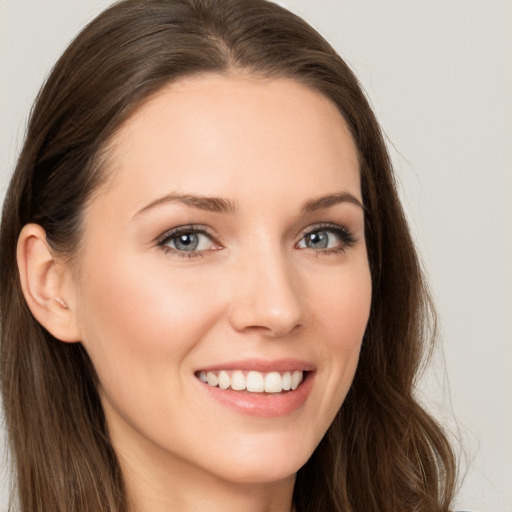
[(265, 405)]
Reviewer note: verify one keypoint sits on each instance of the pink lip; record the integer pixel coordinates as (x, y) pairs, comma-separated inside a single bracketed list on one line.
[(265, 405), (262, 365)]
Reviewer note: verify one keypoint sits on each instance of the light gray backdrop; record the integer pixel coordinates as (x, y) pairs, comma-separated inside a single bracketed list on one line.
[(439, 76)]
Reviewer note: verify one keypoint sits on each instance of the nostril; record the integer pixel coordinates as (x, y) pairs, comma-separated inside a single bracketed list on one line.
[(265, 321), (268, 302)]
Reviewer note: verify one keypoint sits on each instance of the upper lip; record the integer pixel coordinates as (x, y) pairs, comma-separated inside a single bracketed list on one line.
[(262, 365)]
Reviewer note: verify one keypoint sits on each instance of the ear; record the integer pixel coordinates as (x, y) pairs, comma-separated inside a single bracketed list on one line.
[(46, 284)]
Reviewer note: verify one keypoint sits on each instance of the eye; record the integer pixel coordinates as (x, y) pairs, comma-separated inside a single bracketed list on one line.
[(187, 241), (327, 238)]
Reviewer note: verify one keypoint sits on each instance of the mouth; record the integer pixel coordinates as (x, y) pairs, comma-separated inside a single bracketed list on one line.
[(256, 387), (253, 381)]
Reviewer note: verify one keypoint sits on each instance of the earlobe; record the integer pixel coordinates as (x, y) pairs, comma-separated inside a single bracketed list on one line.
[(45, 285)]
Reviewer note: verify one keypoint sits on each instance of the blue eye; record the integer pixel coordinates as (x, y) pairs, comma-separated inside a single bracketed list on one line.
[(319, 240), (187, 242), (187, 239), (194, 241), (327, 238)]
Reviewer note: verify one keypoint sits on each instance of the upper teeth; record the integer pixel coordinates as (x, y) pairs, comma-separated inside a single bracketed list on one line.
[(256, 382)]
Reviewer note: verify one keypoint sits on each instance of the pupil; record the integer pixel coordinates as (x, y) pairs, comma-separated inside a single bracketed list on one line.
[(318, 240), (187, 242)]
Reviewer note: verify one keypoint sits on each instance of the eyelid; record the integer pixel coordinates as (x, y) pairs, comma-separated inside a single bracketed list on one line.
[(164, 238), (324, 226), (345, 233)]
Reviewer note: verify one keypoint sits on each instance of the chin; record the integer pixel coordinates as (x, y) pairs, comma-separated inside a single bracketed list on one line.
[(270, 462), (260, 474)]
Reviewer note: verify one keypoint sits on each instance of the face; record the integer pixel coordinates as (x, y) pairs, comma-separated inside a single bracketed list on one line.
[(223, 286)]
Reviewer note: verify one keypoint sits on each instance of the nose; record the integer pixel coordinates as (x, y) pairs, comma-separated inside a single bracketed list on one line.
[(266, 296)]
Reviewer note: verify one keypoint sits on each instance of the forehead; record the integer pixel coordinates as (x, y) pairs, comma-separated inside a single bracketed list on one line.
[(221, 134)]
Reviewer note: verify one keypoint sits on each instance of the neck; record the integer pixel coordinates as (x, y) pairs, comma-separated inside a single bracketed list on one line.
[(189, 489), (168, 484)]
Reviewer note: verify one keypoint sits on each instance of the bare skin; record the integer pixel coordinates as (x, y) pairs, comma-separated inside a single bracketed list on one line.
[(269, 270)]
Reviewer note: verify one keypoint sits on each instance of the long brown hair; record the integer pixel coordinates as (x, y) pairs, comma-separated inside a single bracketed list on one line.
[(383, 452)]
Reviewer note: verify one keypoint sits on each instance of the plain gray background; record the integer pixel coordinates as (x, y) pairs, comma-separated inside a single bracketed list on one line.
[(439, 76)]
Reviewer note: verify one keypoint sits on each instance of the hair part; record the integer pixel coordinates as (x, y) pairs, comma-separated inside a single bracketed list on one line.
[(383, 452)]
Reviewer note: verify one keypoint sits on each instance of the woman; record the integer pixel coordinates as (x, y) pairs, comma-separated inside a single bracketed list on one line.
[(210, 297)]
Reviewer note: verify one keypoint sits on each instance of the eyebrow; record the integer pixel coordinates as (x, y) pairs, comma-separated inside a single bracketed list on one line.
[(210, 204), (220, 205), (330, 200)]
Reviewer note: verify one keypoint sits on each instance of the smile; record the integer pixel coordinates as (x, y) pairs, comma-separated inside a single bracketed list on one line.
[(253, 381), (257, 387)]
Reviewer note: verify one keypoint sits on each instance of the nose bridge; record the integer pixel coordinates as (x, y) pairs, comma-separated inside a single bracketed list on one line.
[(266, 296)]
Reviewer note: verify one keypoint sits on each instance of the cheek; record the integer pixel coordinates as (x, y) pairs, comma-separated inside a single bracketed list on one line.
[(139, 320), (343, 306), (343, 313)]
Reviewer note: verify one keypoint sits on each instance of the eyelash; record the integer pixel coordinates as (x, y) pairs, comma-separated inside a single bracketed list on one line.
[(167, 237), (345, 235)]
